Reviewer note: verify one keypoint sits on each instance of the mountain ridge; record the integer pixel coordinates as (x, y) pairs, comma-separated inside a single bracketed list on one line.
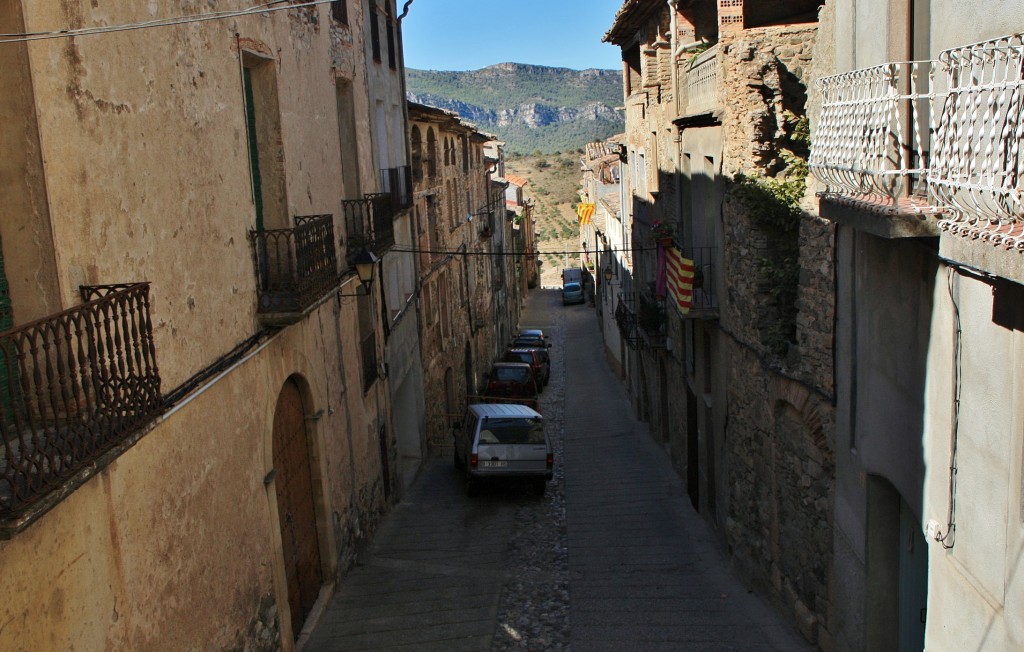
[(530, 107)]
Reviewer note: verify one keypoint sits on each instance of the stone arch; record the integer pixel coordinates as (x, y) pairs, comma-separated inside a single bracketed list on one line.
[(431, 153), (295, 483), (802, 476)]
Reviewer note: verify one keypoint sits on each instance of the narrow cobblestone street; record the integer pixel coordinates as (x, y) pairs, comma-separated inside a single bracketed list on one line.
[(612, 558)]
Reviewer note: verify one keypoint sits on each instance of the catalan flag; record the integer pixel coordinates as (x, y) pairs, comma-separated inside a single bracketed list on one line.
[(585, 211), (680, 279)]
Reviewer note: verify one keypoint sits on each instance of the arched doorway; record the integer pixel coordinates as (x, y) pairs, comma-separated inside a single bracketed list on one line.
[(296, 510)]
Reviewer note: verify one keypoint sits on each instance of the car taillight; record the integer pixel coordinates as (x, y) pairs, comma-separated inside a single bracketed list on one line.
[(551, 460), (473, 460)]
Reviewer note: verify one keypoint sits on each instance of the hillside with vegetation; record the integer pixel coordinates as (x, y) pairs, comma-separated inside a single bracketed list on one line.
[(553, 184), (531, 108)]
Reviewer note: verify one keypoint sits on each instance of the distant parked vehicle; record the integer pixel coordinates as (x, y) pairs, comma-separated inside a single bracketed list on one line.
[(572, 275), (503, 442), (512, 382), (572, 293), (533, 357), (531, 332)]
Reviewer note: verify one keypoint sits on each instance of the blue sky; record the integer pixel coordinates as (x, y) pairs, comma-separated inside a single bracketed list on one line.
[(472, 34)]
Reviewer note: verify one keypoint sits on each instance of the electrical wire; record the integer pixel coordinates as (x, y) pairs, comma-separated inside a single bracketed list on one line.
[(560, 252), (948, 540), (264, 8)]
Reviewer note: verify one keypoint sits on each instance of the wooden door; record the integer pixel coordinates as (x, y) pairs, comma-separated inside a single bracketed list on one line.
[(295, 507)]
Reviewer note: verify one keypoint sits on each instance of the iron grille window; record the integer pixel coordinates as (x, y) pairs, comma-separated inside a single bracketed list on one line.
[(374, 30), (339, 10)]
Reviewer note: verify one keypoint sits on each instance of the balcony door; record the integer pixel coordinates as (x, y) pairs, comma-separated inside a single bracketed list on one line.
[(296, 508)]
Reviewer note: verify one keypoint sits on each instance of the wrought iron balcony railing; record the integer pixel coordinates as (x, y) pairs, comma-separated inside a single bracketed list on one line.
[(369, 224), (627, 319), (870, 143), (977, 166), (703, 301), (397, 182), (79, 383), (942, 136), (701, 83), (294, 267)]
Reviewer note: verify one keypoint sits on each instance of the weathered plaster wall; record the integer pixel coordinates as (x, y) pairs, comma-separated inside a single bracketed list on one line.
[(156, 165), (143, 148)]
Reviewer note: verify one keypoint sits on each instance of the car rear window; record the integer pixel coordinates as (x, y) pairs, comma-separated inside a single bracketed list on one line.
[(519, 357), (512, 374), (512, 431), (572, 287)]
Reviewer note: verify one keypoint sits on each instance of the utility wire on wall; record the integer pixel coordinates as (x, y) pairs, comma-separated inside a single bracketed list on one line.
[(265, 8)]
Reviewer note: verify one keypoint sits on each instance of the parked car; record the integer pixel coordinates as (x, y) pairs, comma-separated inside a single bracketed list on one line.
[(533, 357), (530, 342), (572, 293), (503, 442), (531, 332), (512, 382)]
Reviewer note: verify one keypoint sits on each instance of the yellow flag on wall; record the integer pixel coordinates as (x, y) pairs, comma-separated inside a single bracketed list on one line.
[(585, 211)]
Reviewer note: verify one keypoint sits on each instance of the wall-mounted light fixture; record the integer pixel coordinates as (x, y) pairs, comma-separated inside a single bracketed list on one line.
[(365, 264), (608, 274), (470, 216)]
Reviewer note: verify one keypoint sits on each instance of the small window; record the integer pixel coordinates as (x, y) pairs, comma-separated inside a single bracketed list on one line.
[(374, 30), (339, 10), (392, 59)]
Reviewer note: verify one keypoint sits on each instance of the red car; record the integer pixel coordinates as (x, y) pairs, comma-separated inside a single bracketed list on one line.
[(512, 382), (532, 357)]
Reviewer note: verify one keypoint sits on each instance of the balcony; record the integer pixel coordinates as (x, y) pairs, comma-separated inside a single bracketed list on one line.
[(369, 224), (628, 321), (703, 303), (911, 149), (79, 384), (701, 83), (397, 182), (294, 268)]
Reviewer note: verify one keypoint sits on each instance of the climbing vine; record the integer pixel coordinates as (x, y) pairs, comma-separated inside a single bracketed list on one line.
[(773, 205)]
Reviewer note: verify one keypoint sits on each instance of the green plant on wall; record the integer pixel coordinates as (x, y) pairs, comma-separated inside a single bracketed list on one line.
[(773, 205)]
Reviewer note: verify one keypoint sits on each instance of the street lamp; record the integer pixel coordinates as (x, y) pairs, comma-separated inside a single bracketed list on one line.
[(365, 263), (608, 274)]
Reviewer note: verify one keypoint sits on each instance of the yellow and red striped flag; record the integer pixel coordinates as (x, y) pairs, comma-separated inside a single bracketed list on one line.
[(680, 279), (585, 211)]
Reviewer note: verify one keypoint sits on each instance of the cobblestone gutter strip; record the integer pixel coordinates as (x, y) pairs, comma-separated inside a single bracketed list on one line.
[(533, 612)]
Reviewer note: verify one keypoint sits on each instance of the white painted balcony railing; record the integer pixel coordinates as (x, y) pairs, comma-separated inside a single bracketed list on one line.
[(869, 140), (977, 168), (945, 136), (702, 82)]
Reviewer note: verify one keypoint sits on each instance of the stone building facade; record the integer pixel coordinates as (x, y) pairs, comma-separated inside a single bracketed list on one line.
[(214, 437), (459, 215), (738, 387)]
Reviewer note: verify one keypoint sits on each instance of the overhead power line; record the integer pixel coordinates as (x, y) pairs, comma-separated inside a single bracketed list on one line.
[(265, 8), (459, 252)]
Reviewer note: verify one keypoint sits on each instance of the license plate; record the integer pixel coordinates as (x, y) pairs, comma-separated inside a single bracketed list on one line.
[(494, 464)]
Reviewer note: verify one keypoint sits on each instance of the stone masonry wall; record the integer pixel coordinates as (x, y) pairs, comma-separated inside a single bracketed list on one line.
[(779, 432)]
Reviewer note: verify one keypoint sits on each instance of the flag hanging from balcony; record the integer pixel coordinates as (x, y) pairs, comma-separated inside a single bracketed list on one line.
[(680, 279), (585, 211)]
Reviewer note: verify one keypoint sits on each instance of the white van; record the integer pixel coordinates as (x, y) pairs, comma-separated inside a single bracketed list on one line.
[(503, 441)]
